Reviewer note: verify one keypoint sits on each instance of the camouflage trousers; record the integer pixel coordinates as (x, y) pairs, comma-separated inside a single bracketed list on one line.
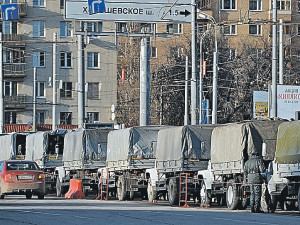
[(255, 196)]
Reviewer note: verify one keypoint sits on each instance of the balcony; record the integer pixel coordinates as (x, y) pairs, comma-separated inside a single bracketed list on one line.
[(15, 102), (13, 37), (15, 70)]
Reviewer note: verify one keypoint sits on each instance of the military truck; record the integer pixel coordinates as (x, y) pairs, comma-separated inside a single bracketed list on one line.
[(13, 146), (181, 152), (130, 152), (46, 149), (84, 153), (284, 184), (231, 147)]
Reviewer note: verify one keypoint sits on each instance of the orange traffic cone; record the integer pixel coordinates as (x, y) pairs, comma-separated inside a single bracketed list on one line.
[(75, 190)]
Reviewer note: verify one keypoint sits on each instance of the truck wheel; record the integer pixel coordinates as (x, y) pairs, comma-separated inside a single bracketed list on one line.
[(152, 194), (232, 199), (121, 189), (1, 196), (173, 194), (205, 195)]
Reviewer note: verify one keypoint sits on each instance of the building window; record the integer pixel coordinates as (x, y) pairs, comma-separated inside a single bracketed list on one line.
[(178, 28), (255, 29), (148, 27), (65, 118), (93, 90), (230, 53), (122, 27), (66, 91), (40, 89), (8, 1), (62, 4), (94, 26), (227, 4), (39, 3), (65, 29), (40, 118), (153, 53), (170, 28), (66, 60), (9, 27), (93, 60), (13, 56), (10, 88), (229, 30), (10, 117), (284, 5), (202, 28), (38, 59), (92, 117), (255, 5), (39, 29), (204, 4)]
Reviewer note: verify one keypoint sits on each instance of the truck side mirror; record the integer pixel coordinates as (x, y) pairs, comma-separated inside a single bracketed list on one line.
[(264, 150)]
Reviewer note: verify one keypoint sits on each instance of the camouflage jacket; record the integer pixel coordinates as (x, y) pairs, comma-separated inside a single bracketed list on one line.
[(253, 169)]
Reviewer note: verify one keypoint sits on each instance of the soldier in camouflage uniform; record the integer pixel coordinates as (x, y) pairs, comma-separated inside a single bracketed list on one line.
[(252, 175)]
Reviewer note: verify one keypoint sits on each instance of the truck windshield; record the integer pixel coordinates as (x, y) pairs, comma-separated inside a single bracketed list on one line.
[(21, 166)]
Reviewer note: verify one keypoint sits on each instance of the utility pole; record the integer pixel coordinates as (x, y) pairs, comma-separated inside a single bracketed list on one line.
[(2, 107), (274, 62), (81, 83), (194, 93), (281, 51), (34, 99), (186, 89), (215, 81), (54, 105), (144, 82)]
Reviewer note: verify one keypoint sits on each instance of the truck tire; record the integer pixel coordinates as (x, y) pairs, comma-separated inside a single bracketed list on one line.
[(205, 195), (173, 193), (151, 193), (1, 196), (232, 199), (299, 198), (121, 189), (40, 196)]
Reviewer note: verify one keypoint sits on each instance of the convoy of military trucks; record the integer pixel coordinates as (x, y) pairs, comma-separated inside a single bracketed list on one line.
[(199, 163)]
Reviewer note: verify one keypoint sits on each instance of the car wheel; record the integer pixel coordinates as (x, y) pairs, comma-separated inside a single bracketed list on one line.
[(28, 195), (40, 196), (173, 193)]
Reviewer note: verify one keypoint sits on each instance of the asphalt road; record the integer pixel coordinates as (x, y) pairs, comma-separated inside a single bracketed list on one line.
[(56, 211)]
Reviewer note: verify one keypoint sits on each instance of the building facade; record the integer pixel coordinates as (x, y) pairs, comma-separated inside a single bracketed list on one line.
[(28, 44)]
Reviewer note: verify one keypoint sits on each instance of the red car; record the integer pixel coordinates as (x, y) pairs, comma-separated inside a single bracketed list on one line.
[(21, 177)]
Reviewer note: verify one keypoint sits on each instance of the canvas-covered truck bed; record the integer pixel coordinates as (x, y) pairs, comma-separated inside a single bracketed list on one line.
[(85, 149), (231, 145), (132, 148), (185, 148), (288, 149), (46, 148), (13, 146)]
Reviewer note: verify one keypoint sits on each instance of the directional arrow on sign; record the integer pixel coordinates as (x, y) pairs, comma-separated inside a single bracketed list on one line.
[(185, 13)]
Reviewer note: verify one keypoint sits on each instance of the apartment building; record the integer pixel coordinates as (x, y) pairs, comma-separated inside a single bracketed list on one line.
[(28, 43)]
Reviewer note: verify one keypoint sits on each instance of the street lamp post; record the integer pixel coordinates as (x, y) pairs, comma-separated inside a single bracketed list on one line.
[(215, 69)]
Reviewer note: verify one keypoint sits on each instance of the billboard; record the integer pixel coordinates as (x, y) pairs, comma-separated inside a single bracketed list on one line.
[(288, 102)]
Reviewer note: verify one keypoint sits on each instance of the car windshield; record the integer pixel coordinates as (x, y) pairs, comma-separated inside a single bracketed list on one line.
[(21, 166)]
